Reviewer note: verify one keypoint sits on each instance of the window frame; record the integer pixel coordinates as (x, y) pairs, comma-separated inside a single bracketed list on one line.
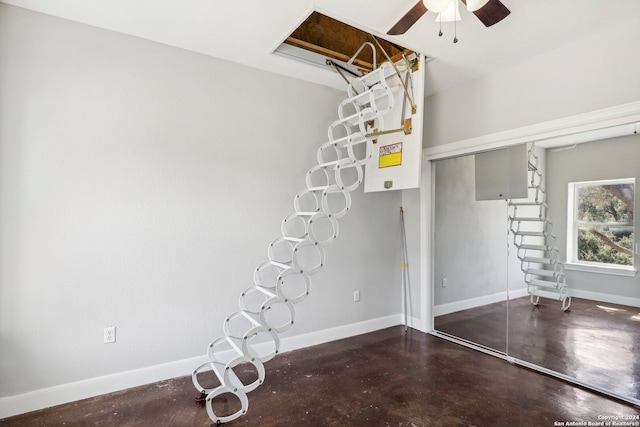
[(573, 263)]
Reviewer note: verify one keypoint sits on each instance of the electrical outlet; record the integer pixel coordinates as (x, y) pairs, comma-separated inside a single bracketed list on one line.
[(444, 282), (356, 296), (109, 334)]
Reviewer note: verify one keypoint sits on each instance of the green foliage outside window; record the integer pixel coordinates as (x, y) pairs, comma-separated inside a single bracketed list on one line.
[(605, 223)]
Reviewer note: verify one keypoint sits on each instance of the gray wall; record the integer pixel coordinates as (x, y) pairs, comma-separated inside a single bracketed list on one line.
[(470, 236), (411, 207), (599, 160), (472, 246), (140, 186)]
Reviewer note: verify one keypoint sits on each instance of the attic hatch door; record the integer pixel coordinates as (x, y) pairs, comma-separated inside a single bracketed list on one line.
[(396, 156), (320, 38)]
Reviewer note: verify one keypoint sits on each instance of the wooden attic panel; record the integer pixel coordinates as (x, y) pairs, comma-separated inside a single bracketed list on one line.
[(329, 37)]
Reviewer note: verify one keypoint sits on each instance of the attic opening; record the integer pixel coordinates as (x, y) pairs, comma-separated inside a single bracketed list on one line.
[(326, 42)]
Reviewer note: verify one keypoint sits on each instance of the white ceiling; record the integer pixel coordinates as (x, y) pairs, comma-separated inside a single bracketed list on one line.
[(247, 31)]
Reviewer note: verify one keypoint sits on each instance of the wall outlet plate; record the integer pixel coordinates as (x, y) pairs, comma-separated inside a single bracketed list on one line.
[(109, 334)]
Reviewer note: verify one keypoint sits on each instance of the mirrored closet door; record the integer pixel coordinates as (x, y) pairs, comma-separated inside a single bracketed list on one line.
[(470, 258), (589, 204), (547, 278)]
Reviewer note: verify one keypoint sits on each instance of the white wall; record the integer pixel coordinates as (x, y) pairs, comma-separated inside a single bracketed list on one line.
[(596, 72), (140, 186)]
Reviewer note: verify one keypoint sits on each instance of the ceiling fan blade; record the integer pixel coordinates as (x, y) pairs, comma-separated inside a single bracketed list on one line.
[(492, 12), (410, 18)]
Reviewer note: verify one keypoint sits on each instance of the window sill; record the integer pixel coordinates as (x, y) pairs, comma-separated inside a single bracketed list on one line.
[(614, 271)]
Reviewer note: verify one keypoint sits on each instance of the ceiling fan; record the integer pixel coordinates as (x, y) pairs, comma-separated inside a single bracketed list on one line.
[(489, 12)]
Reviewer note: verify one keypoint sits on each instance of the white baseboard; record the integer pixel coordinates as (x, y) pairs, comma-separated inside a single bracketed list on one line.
[(65, 393), (466, 304), (611, 299), (518, 293), (339, 332)]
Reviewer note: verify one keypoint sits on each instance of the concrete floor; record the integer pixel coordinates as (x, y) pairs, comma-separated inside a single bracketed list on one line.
[(595, 342), (384, 378)]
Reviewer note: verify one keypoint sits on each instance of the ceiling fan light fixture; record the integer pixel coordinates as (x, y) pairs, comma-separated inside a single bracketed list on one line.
[(437, 6), (473, 5), (450, 14)]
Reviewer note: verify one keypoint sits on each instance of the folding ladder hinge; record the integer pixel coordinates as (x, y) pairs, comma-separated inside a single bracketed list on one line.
[(414, 63), (406, 128)]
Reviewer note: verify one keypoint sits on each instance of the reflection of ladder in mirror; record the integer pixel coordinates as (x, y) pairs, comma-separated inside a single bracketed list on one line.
[(251, 334), (535, 242)]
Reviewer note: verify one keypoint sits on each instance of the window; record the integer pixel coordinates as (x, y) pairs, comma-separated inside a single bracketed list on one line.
[(600, 224)]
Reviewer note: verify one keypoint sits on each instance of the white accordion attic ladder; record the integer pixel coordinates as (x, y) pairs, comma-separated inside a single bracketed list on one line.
[(535, 242), (266, 309)]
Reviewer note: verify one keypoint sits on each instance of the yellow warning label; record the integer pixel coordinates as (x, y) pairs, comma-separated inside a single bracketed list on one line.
[(390, 155)]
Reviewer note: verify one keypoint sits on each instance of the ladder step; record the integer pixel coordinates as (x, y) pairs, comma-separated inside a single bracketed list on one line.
[(533, 247), (364, 97), (311, 213), (355, 119), (383, 72), (359, 99), (218, 370), (339, 142), (250, 318), (268, 292), (511, 203), (343, 142), (543, 284), (336, 164), (331, 165), (293, 239), (539, 260), (548, 294), (331, 188), (234, 345), (320, 188), (221, 355), (524, 218), (539, 272), (280, 265), (529, 233)]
